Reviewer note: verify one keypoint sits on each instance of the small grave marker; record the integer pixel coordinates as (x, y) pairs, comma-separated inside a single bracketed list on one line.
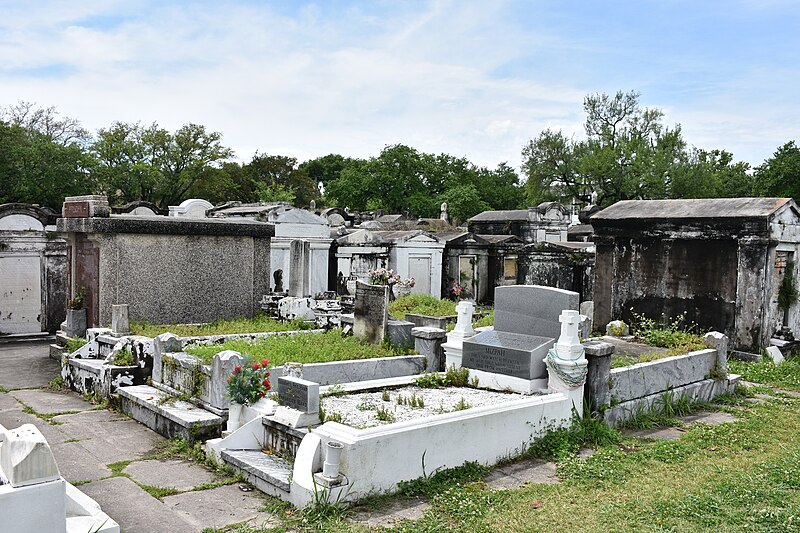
[(371, 312)]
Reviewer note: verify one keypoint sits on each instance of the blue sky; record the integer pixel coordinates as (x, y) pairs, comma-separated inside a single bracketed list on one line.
[(475, 79)]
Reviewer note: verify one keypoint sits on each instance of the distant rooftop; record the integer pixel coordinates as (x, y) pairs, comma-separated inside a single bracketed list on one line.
[(489, 216), (697, 208)]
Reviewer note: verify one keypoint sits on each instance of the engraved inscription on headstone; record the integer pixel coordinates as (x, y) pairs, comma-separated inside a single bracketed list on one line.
[(507, 353), (370, 312), (299, 394)]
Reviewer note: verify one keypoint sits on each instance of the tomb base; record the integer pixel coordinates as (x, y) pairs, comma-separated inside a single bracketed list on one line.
[(502, 382)]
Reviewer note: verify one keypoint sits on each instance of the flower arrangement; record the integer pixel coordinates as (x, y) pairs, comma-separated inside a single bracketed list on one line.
[(383, 276), (249, 382), (407, 282), (456, 289), (78, 300)]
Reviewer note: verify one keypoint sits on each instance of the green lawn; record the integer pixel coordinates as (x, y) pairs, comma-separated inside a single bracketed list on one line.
[(257, 324), (300, 348), (743, 476), (786, 375)]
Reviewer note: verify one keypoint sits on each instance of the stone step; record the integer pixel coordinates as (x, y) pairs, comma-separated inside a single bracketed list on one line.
[(170, 418), (282, 438), (26, 337), (268, 473)]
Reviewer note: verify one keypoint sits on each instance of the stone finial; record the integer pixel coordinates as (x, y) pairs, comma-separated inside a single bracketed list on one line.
[(463, 328), (25, 456), (568, 346)]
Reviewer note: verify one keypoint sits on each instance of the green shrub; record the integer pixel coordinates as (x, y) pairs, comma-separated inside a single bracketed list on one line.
[(676, 335), (421, 304), (75, 344)]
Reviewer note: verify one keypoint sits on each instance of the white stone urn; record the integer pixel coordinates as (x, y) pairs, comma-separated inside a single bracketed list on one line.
[(351, 286), (234, 416)]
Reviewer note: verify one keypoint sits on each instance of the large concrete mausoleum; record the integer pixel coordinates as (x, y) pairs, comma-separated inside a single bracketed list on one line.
[(167, 269), (719, 261)]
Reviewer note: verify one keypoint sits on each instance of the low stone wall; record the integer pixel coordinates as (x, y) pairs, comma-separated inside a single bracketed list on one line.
[(623, 393), (359, 369)]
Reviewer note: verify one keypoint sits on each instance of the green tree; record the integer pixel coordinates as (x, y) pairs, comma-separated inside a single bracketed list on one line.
[(711, 174), (278, 178), (628, 153), (780, 174), (150, 163), (36, 169), (46, 121)]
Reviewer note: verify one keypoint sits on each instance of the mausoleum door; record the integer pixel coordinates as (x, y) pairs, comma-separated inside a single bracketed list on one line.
[(419, 268)]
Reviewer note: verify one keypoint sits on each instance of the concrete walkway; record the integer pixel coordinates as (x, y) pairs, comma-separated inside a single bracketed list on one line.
[(106, 455)]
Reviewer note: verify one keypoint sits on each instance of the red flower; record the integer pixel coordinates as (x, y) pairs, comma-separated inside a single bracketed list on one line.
[(264, 363), (265, 382), (267, 374), (261, 394), (269, 387), (229, 380), (256, 366), (237, 369)]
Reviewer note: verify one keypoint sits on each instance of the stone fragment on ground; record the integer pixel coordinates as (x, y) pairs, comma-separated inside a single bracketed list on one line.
[(710, 418), (220, 507), (515, 475), (179, 474), (400, 509)]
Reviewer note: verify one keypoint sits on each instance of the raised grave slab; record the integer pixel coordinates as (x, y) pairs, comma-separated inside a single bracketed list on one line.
[(151, 407)]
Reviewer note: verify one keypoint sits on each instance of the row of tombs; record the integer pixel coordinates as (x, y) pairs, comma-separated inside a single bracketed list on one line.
[(330, 427), (720, 263)]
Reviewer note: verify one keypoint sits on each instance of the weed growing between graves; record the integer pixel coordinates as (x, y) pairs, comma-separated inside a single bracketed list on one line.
[(677, 335), (302, 348), (57, 384), (421, 304), (74, 344), (47, 417), (454, 377), (786, 375), (124, 358), (4, 390), (384, 415), (257, 324)]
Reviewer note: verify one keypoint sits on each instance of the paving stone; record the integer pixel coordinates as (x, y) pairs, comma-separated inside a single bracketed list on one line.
[(76, 463), (219, 507), (7, 401), (13, 418), (515, 475), (49, 402), (27, 365), (405, 509), (108, 437), (134, 509), (655, 433), (710, 418), (178, 474), (792, 393)]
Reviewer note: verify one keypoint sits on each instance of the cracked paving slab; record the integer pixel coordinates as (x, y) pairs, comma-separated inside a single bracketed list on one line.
[(179, 474), (397, 511), (515, 475)]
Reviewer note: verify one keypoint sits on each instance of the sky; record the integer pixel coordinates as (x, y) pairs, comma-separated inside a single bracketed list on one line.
[(476, 79)]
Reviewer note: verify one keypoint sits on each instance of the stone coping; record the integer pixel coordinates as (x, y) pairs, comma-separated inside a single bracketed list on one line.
[(182, 413), (158, 225)]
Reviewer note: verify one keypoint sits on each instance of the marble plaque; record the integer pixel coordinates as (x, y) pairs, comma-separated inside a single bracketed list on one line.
[(299, 394), (511, 354)]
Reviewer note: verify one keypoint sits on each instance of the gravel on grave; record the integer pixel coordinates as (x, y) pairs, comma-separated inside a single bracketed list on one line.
[(360, 409)]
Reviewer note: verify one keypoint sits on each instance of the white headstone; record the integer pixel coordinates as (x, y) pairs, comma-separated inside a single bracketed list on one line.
[(463, 328), (776, 355), (568, 346), (25, 456)]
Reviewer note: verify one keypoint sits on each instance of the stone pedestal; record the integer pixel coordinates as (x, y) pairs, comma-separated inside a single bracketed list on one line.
[(567, 366), (718, 341), (120, 323), (596, 390), (299, 400), (75, 324), (453, 348), (428, 342)]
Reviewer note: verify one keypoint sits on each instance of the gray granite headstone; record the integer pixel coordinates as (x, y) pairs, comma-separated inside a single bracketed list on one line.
[(532, 309), (512, 354), (120, 324), (298, 393), (370, 315)]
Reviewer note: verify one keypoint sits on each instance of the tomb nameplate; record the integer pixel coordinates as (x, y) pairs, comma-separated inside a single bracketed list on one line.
[(76, 209), (299, 394), (510, 354)]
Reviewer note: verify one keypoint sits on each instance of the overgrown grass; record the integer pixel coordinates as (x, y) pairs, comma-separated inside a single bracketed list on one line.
[(258, 324), (302, 348), (678, 336), (421, 304), (787, 375)]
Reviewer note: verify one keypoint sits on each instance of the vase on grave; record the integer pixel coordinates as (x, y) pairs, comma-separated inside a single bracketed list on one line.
[(75, 324), (234, 416)]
